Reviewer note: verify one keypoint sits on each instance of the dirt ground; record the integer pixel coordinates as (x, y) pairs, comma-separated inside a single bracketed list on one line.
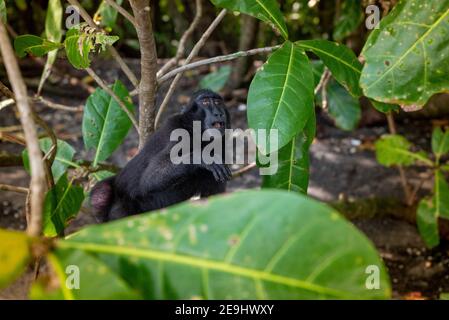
[(343, 166)]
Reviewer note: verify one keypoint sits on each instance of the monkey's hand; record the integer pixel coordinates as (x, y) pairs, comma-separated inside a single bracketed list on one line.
[(221, 172)]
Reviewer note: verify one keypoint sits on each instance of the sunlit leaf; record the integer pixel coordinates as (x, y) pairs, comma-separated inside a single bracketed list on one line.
[(34, 45), (14, 255), (440, 142), (407, 59), (395, 150)]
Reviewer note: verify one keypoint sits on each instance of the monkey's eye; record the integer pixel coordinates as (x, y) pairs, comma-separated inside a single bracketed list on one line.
[(217, 101), (205, 102)]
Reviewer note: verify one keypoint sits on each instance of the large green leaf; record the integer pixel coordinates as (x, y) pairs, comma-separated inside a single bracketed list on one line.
[(248, 245), (3, 15), (343, 108), (340, 60), (14, 255), (440, 142), (350, 18), (53, 32), (63, 159), (215, 81), (62, 203), (395, 150), (407, 59), (281, 96), (265, 10), (293, 162), (34, 45), (105, 124)]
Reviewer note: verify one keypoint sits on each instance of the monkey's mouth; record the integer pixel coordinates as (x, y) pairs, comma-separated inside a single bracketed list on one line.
[(218, 124)]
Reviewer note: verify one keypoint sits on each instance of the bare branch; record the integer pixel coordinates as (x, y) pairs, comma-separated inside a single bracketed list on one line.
[(37, 184), (57, 106), (148, 68), (105, 87), (7, 187), (192, 54), (126, 70), (122, 11), (323, 81), (213, 60), (182, 43)]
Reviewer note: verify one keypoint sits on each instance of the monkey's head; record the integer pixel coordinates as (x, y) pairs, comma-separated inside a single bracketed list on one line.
[(209, 108)]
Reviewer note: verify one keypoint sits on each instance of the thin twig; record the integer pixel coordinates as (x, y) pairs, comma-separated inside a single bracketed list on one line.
[(323, 80), (227, 57), (57, 106), (405, 186), (192, 54), (122, 11), (108, 90), (7, 187), (182, 42), (37, 184), (126, 70), (243, 170)]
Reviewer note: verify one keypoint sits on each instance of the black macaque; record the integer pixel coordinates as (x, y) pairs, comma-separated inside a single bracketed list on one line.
[(152, 181)]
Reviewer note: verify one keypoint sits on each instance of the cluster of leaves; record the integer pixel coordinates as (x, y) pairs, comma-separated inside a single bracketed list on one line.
[(105, 126), (395, 150)]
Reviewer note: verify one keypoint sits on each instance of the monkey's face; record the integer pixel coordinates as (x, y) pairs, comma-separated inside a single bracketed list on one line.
[(209, 108)]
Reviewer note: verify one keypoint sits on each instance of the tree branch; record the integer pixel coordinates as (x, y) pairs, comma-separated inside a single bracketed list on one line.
[(213, 60), (182, 42), (106, 88), (148, 68), (192, 54), (7, 187), (37, 184), (122, 11), (126, 70)]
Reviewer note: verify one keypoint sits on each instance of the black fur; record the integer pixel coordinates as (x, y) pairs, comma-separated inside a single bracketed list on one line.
[(151, 181)]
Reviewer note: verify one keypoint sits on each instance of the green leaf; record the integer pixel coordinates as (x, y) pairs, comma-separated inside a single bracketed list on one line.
[(77, 47), (343, 108), (395, 150), (189, 251), (407, 59), (14, 255), (349, 20), (441, 195), (440, 142), (107, 14), (216, 81), (340, 60), (62, 203), (102, 174), (293, 162), (105, 124), (34, 45), (265, 10), (384, 107), (281, 96), (427, 220), (63, 159), (96, 279), (53, 32), (3, 15)]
